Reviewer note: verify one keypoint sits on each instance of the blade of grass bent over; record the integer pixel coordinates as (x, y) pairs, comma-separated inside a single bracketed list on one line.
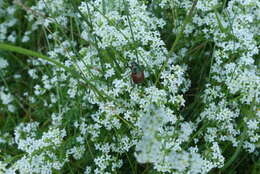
[(27, 52)]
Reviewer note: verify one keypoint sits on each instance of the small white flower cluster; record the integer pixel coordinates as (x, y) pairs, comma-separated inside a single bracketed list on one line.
[(232, 93), (7, 100), (41, 153), (3, 63), (234, 85), (161, 144), (7, 22)]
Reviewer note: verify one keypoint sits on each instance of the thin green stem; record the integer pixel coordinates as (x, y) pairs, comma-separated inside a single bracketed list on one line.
[(179, 36), (238, 150), (131, 30)]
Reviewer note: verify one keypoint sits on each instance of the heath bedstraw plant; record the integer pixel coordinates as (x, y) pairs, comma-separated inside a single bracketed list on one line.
[(74, 108)]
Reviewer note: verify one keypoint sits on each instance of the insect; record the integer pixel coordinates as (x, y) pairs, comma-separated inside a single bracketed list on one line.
[(137, 73)]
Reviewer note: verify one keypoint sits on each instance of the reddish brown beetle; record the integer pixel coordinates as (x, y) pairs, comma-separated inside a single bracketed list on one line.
[(137, 73)]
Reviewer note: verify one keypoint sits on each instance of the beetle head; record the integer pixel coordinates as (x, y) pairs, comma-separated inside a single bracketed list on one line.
[(136, 68)]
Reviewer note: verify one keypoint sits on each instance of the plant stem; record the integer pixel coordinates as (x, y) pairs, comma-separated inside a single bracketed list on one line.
[(186, 21)]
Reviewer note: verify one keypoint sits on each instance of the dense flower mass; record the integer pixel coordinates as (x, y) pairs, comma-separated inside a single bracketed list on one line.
[(78, 110)]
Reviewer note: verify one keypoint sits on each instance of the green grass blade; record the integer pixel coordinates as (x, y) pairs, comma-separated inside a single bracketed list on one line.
[(11, 48), (27, 52)]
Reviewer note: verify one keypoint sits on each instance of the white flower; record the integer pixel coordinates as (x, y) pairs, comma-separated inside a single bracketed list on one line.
[(6, 98), (88, 170), (252, 124), (32, 73), (3, 63)]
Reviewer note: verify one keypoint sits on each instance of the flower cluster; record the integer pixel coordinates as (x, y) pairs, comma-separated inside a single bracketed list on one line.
[(84, 113)]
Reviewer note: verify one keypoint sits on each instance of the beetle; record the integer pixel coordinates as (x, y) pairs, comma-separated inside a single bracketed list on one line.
[(137, 73)]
